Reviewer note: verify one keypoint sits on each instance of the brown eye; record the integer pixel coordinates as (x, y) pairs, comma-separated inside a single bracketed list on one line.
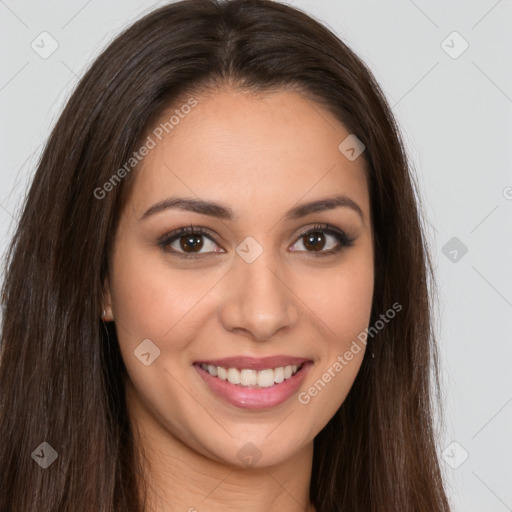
[(192, 242), (314, 241), (317, 240), (188, 242)]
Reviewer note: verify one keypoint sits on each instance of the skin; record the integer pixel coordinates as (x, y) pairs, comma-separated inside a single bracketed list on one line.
[(260, 156)]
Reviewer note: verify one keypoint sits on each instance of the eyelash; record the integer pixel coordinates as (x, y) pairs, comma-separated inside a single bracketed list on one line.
[(167, 239)]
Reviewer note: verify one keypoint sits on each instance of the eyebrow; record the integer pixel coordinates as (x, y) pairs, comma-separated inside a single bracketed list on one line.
[(220, 211)]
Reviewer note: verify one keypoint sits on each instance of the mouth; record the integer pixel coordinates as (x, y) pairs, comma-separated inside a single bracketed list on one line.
[(254, 384), (249, 378)]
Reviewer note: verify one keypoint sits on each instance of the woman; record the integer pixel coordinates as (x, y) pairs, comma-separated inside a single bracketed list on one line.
[(217, 295)]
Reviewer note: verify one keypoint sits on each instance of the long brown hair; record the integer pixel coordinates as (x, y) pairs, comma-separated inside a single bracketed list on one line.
[(61, 373)]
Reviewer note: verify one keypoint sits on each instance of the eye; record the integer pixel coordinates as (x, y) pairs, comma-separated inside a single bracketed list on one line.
[(316, 238), (187, 242)]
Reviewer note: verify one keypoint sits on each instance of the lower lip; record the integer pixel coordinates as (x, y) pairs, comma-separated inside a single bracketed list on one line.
[(255, 398)]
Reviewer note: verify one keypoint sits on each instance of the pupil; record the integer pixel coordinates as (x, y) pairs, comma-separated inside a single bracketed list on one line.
[(311, 241), (193, 242)]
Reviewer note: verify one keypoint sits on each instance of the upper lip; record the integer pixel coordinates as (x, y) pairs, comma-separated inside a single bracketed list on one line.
[(253, 363)]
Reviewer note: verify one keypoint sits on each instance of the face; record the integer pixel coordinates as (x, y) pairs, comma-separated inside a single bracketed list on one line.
[(258, 277)]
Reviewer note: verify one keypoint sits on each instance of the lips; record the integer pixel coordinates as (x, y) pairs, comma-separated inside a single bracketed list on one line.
[(253, 363), (278, 379)]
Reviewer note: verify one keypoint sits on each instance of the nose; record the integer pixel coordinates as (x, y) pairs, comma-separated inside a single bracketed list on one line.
[(259, 299)]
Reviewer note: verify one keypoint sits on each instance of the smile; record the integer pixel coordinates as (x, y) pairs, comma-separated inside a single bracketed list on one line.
[(252, 378), (251, 388)]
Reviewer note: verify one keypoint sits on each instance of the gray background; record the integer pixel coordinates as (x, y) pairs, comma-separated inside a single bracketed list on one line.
[(455, 115)]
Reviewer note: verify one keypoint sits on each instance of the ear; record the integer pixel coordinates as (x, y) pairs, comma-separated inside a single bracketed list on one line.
[(106, 302)]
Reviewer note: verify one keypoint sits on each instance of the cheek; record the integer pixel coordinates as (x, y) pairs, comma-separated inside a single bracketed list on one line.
[(153, 302), (342, 312), (149, 299), (351, 306), (343, 306), (341, 299)]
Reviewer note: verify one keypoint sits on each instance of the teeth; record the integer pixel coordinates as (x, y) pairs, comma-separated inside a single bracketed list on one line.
[(265, 378), (233, 376), (221, 372), (246, 377)]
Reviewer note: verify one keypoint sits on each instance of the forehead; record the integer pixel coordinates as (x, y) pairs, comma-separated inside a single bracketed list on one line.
[(248, 151)]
